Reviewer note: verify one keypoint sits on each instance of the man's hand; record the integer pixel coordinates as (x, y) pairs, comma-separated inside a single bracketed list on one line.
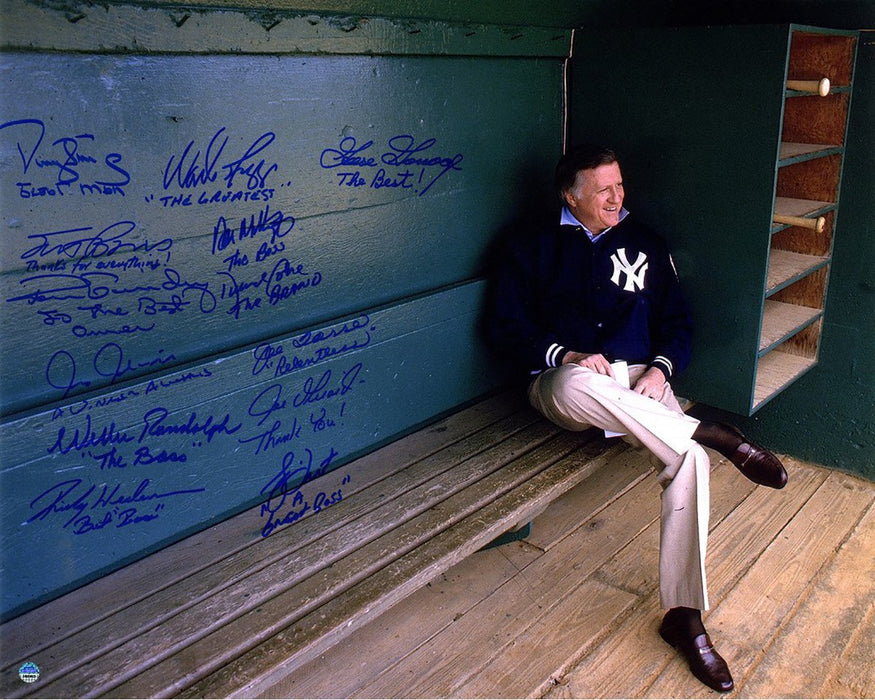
[(651, 384), (595, 362)]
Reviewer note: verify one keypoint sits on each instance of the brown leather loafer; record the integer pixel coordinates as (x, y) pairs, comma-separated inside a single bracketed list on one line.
[(757, 463), (704, 661)]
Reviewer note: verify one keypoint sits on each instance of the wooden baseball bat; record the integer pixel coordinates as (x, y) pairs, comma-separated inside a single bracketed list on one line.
[(818, 224), (821, 87)]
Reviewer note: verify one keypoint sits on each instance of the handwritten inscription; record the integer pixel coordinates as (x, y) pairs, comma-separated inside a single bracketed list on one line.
[(405, 163), (84, 508), (312, 347), (219, 173), (73, 164), (286, 502), (110, 291)]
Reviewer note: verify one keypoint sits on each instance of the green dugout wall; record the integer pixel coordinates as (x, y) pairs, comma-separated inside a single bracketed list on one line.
[(241, 263)]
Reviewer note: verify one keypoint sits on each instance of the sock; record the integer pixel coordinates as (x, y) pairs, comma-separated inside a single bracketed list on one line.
[(687, 619), (717, 437)]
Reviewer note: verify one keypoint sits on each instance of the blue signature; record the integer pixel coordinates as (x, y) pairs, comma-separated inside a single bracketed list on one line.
[(327, 387), (98, 286), (286, 503), (272, 357), (79, 244), (417, 167), (105, 505), (285, 280), (68, 162), (276, 223), (195, 168), (157, 423), (109, 361), (88, 436)]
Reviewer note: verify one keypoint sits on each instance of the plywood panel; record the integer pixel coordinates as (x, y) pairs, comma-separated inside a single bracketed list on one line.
[(216, 268), (93, 483), (151, 219)]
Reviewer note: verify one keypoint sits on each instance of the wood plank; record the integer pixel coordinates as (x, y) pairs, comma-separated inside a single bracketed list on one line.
[(625, 663), (395, 249), (776, 370), (757, 607), (32, 632), (440, 548), (532, 660), (808, 655), (733, 547), (240, 586), (794, 206), (746, 532), (791, 150), (432, 669), (597, 492), (785, 266), (265, 30), (781, 320), (367, 652)]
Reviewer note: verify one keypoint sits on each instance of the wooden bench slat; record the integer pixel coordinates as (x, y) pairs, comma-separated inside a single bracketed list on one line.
[(227, 611), (242, 582), (168, 586), (350, 609), (32, 632)]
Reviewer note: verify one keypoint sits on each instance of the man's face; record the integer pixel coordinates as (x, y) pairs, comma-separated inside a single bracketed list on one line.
[(596, 197)]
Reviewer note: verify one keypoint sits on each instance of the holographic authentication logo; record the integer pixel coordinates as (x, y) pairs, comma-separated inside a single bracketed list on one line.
[(29, 672)]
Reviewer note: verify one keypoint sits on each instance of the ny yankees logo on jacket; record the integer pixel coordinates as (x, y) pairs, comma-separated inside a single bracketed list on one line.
[(634, 272)]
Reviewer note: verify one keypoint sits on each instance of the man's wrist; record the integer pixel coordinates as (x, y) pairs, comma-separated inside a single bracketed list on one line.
[(664, 365)]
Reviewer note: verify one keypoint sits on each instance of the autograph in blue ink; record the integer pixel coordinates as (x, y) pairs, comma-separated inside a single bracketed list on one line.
[(286, 503), (349, 336), (412, 165), (157, 423), (73, 163), (244, 177), (109, 362), (99, 286), (82, 245), (270, 401), (284, 281), (277, 224), (92, 507), (327, 386), (88, 436)]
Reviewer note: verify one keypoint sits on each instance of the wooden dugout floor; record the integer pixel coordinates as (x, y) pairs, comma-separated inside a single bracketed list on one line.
[(573, 610)]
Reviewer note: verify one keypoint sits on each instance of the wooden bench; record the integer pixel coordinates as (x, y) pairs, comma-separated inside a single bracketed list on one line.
[(230, 612)]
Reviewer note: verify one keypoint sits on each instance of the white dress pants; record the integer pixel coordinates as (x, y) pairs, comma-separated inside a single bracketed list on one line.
[(576, 398)]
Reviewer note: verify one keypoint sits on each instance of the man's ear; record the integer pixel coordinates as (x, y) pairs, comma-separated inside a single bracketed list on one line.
[(568, 198)]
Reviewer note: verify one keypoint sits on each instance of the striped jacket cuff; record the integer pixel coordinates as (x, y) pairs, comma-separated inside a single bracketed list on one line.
[(663, 363), (554, 355)]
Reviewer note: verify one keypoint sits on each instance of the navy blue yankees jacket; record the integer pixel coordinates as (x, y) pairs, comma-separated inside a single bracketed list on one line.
[(556, 291)]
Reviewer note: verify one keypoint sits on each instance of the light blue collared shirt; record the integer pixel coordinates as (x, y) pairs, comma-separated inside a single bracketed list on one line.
[(568, 219)]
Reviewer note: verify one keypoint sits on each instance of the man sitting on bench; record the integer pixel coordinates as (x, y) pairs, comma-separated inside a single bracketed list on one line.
[(591, 308)]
